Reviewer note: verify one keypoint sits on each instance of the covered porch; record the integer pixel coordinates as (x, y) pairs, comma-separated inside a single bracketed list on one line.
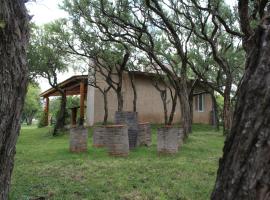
[(75, 85)]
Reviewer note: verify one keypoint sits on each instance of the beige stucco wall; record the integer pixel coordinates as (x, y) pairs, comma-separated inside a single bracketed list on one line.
[(205, 116), (149, 103)]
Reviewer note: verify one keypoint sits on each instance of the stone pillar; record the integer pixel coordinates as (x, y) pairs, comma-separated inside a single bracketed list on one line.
[(90, 106), (131, 120), (78, 139), (181, 137), (90, 103), (117, 140), (144, 134), (99, 136), (167, 140)]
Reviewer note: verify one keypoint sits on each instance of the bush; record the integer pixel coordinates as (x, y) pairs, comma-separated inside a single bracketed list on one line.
[(42, 120)]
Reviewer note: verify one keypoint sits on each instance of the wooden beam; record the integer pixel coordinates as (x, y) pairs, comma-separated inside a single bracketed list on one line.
[(46, 111), (73, 116), (71, 92), (65, 84), (82, 98)]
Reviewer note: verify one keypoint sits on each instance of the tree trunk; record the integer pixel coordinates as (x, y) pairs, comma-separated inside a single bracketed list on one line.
[(163, 94), (174, 101), (60, 121), (119, 86), (14, 32), (185, 107), (134, 92), (191, 107), (227, 122), (29, 121), (190, 98), (105, 119), (215, 112), (244, 170), (120, 100)]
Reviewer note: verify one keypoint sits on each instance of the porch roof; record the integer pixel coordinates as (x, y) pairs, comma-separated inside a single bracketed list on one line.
[(70, 85)]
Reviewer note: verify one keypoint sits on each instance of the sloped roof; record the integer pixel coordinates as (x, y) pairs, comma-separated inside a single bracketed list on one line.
[(70, 85)]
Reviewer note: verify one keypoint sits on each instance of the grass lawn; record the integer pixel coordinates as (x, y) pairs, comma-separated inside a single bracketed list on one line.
[(45, 168)]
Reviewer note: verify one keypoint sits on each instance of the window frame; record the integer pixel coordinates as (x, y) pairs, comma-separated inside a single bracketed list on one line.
[(200, 98)]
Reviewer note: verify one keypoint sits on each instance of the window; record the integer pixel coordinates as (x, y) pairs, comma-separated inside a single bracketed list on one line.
[(199, 103)]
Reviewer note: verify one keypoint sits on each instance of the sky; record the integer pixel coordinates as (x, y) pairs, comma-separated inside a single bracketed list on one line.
[(45, 11)]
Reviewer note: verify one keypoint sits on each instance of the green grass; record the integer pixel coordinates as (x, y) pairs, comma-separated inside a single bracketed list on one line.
[(45, 168)]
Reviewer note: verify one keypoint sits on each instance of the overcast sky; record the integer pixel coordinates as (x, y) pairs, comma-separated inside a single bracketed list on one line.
[(44, 11)]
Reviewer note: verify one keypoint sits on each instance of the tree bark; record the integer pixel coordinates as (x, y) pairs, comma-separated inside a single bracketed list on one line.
[(120, 72), (118, 90), (61, 116), (163, 94), (185, 107), (134, 91), (105, 119), (174, 102), (227, 120), (120, 100), (190, 98), (215, 111), (244, 170), (14, 32), (191, 107)]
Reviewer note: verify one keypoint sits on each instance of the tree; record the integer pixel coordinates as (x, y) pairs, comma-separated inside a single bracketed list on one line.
[(221, 69), (135, 23), (104, 90), (32, 105), (164, 88), (113, 73), (46, 59), (109, 58), (14, 33), (72, 101), (244, 170)]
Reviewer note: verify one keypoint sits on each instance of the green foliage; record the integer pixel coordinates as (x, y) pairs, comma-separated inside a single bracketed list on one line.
[(72, 101), (42, 120), (220, 103), (32, 106), (46, 58), (45, 168), (54, 107), (88, 38)]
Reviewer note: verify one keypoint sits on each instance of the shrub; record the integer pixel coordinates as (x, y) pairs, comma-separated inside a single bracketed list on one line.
[(42, 120)]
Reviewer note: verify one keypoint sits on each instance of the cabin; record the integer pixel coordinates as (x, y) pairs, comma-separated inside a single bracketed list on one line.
[(149, 103)]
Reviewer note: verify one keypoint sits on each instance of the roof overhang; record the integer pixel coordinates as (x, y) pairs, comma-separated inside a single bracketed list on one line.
[(71, 86)]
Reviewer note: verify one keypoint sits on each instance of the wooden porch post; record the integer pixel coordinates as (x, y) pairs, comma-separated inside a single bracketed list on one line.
[(82, 97), (74, 116), (46, 111)]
